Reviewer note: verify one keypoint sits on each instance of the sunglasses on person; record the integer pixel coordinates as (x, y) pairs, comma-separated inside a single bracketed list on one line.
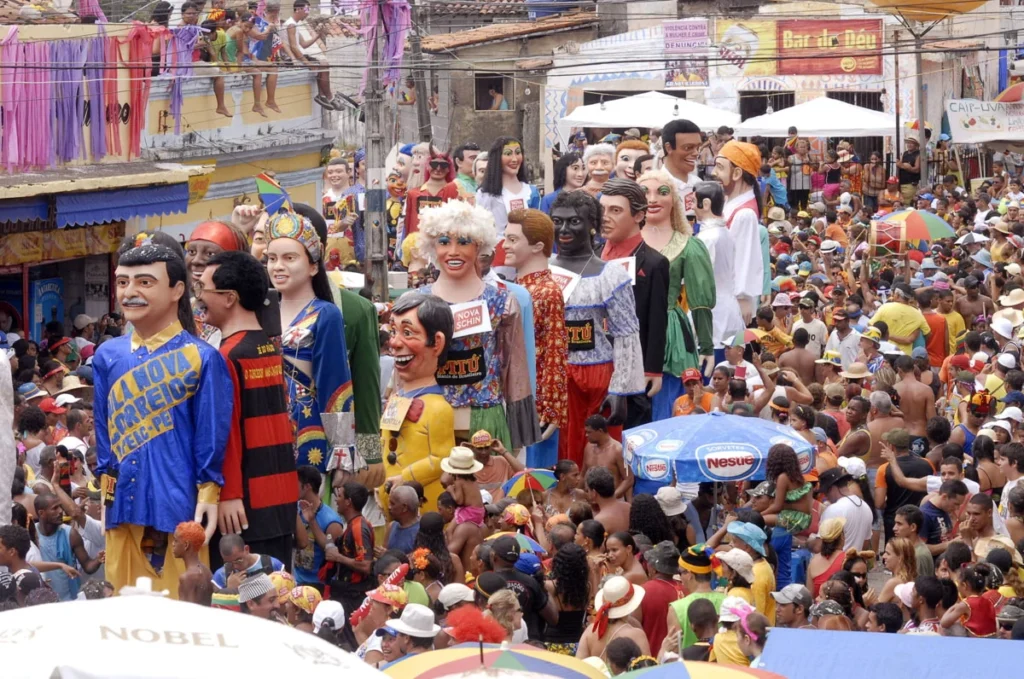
[(439, 165), (1006, 626)]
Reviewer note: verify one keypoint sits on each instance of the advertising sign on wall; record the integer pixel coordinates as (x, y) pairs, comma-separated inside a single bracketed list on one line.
[(686, 41), (973, 122), (745, 47), (807, 47)]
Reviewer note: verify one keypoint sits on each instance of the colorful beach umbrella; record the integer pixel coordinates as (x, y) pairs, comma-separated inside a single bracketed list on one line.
[(526, 544), (274, 197), (467, 657), (699, 670), (530, 479), (921, 225)]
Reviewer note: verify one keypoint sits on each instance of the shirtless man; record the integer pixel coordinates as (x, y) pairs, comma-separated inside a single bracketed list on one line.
[(880, 420), (610, 511), (974, 304), (917, 403), (195, 585), (604, 451), (463, 537), (858, 441), (799, 358)]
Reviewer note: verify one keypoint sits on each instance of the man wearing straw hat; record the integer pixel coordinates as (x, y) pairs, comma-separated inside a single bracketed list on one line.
[(737, 167)]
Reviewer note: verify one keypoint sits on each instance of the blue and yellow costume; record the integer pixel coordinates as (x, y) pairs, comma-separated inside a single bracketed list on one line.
[(322, 406), (163, 414)]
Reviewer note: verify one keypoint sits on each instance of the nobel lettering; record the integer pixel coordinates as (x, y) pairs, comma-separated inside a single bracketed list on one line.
[(170, 637)]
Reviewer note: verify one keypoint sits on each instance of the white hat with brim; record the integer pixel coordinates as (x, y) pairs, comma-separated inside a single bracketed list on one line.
[(615, 589), (739, 561), (1002, 424), (1013, 298), (417, 621), (461, 461), (671, 500), (1014, 316), (1011, 413)]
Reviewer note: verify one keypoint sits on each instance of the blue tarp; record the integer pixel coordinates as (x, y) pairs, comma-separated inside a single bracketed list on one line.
[(101, 207), (813, 654), (24, 209)]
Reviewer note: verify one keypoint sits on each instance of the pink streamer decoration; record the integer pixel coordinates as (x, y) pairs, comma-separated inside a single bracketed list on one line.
[(28, 96), (397, 21), (110, 114), (140, 63)]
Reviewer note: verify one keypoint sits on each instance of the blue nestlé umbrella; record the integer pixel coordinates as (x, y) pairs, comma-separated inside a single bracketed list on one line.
[(714, 447)]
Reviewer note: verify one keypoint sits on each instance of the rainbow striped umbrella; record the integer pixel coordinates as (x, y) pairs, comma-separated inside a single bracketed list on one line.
[(529, 479), (526, 544), (920, 225), (273, 196), (467, 657), (699, 670)]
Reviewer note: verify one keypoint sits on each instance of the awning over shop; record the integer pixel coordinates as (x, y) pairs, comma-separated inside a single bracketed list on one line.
[(115, 205), (24, 209)]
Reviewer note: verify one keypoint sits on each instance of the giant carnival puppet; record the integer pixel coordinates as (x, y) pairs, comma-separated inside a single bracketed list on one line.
[(209, 239), (737, 167), (312, 344), (486, 377), (418, 425), (605, 364), (710, 200), (623, 207), (163, 407), (691, 287), (529, 240)]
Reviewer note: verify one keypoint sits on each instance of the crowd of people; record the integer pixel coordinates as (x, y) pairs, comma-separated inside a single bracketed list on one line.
[(353, 462)]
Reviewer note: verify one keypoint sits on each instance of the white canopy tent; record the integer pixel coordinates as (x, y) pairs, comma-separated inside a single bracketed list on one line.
[(821, 117), (650, 109)]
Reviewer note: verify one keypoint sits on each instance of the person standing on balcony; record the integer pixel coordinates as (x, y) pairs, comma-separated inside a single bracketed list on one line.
[(305, 46), (190, 17)]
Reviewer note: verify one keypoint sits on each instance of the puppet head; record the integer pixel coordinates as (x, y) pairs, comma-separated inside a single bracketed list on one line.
[(151, 288), (576, 215), (454, 235), (421, 330), (663, 204)]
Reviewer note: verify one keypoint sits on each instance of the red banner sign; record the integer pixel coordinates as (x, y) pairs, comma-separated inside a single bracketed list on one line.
[(830, 47)]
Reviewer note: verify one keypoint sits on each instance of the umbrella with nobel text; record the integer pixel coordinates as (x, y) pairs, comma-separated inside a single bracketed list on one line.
[(713, 447), (151, 637)]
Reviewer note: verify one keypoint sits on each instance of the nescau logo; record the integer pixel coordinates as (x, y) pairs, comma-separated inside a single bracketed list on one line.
[(728, 461)]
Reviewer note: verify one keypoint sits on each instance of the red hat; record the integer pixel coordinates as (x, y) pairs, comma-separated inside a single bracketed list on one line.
[(49, 405), (691, 375), (892, 180), (59, 343)]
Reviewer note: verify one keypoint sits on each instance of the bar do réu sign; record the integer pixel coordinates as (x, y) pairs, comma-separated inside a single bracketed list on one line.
[(829, 47)]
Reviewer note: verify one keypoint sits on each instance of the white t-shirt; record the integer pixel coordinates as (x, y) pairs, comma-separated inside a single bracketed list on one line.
[(74, 443), (95, 541), (516, 201), (848, 348), (933, 483), (858, 520), (818, 332), (32, 457), (303, 33), (1004, 504)]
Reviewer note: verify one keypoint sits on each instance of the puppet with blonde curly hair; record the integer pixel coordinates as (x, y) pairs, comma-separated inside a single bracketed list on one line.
[(195, 584), (486, 377), (691, 287)]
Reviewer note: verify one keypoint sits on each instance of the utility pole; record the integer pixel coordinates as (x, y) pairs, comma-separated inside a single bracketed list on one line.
[(922, 101), (423, 91), (375, 232)]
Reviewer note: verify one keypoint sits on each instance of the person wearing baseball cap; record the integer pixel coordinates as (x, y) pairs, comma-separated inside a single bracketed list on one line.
[(695, 397), (896, 443), (793, 606), (533, 598)]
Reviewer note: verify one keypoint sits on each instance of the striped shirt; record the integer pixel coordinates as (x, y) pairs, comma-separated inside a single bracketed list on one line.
[(259, 462)]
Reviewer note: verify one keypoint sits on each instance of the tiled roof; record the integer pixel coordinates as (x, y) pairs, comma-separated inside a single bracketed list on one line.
[(500, 32), (339, 27), (481, 7)]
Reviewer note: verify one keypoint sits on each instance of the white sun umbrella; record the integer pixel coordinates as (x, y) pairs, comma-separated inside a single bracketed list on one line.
[(650, 109), (821, 117), (972, 238), (151, 637)]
